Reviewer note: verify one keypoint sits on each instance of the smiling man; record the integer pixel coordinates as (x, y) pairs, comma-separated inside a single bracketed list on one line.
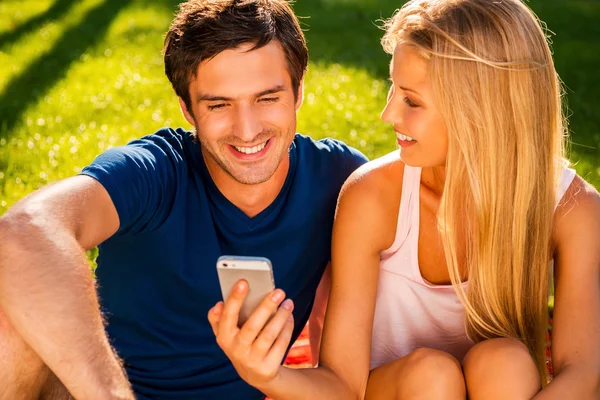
[(162, 210)]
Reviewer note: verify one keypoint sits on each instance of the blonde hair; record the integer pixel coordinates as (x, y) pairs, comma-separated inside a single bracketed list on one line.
[(495, 85)]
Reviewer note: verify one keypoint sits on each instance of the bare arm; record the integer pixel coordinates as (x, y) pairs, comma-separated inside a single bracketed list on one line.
[(362, 229), (576, 331), (317, 316), (46, 286)]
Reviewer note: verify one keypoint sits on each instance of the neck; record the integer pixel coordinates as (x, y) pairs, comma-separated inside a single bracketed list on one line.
[(250, 199), (434, 179)]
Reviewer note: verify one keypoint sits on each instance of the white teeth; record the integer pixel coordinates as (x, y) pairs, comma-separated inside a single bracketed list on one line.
[(405, 138), (251, 150)]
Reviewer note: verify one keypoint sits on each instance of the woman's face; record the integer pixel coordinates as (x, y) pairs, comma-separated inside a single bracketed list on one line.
[(420, 130)]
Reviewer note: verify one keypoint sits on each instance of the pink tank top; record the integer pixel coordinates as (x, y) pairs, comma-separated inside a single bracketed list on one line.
[(411, 312)]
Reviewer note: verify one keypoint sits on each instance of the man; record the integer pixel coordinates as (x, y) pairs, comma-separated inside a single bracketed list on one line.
[(162, 210)]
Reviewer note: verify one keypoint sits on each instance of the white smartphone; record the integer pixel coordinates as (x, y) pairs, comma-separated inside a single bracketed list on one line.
[(257, 271)]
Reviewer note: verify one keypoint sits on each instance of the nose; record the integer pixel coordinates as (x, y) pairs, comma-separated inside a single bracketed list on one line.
[(247, 122), (391, 113)]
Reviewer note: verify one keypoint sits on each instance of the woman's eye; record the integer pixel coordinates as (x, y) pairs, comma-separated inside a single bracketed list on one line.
[(410, 103)]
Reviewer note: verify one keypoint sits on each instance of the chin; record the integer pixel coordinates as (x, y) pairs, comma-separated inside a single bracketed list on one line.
[(421, 162), (411, 161), (252, 178)]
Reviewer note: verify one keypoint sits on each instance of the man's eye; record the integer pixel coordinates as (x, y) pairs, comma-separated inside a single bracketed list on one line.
[(213, 107), (269, 99)]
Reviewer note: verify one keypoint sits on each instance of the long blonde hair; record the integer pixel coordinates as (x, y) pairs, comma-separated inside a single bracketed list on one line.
[(495, 85)]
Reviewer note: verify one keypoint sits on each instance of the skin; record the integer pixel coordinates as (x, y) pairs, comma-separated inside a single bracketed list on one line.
[(48, 296), (245, 107), (493, 369), (48, 304)]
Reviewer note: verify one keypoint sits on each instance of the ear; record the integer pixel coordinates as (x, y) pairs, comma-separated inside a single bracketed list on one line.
[(186, 113), (300, 98)]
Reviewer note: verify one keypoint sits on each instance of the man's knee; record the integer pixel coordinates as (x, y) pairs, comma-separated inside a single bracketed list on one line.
[(432, 374), (22, 373), (12, 346), (497, 365), (53, 389)]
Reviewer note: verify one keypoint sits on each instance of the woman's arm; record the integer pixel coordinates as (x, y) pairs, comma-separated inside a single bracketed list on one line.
[(317, 316), (576, 325), (363, 228)]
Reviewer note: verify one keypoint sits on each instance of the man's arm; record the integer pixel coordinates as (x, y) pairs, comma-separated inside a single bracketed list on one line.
[(46, 286)]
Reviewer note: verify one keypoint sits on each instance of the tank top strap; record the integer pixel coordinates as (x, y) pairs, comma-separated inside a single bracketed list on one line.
[(409, 200), (568, 174)]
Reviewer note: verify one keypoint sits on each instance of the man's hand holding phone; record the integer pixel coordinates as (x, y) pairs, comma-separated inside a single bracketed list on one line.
[(257, 348)]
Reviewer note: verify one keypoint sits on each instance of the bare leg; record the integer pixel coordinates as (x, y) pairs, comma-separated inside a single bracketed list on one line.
[(23, 375), (53, 388), (501, 369), (423, 374)]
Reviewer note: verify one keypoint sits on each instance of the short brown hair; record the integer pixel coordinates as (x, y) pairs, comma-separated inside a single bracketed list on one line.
[(204, 28)]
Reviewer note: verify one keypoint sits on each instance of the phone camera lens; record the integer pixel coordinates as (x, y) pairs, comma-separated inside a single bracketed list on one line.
[(225, 265)]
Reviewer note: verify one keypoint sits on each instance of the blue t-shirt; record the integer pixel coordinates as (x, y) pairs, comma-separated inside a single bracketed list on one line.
[(157, 275)]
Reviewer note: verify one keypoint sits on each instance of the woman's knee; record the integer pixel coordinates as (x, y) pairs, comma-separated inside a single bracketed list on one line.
[(423, 374), (497, 368), (430, 373), (495, 355)]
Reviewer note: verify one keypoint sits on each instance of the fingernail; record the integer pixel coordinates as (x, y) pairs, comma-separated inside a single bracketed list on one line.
[(277, 296), (241, 286), (288, 304)]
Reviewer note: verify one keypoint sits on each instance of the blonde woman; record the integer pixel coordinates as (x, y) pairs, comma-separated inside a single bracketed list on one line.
[(442, 251)]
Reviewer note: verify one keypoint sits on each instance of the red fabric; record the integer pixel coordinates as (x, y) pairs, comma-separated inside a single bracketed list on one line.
[(549, 347), (300, 354)]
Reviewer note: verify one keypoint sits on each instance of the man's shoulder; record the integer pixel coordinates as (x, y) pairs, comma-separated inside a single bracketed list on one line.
[(166, 144), (158, 155), (166, 138), (327, 147), (323, 145)]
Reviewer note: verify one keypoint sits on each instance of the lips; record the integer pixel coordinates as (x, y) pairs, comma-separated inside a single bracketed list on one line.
[(405, 141), (404, 138), (251, 150), (251, 153)]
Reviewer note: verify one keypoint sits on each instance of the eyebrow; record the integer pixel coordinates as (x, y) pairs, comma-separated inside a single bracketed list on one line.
[(210, 97), (409, 90), (403, 87)]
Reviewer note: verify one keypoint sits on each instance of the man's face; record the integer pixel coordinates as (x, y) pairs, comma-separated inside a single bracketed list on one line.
[(244, 111)]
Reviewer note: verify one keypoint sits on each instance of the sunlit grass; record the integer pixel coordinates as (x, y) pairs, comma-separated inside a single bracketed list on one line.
[(89, 76)]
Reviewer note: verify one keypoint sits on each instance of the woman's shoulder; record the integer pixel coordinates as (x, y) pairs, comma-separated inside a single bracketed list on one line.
[(372, 195), (580, 196), (579, 209), (381, 175)]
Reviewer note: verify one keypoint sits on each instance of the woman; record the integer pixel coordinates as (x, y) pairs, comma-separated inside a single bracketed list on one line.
[(441, 251)]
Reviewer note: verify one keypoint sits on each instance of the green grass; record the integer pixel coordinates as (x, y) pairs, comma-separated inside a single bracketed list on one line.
[(79, 77)]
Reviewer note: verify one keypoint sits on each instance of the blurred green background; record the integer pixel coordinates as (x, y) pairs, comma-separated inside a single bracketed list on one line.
[(78, 77)]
